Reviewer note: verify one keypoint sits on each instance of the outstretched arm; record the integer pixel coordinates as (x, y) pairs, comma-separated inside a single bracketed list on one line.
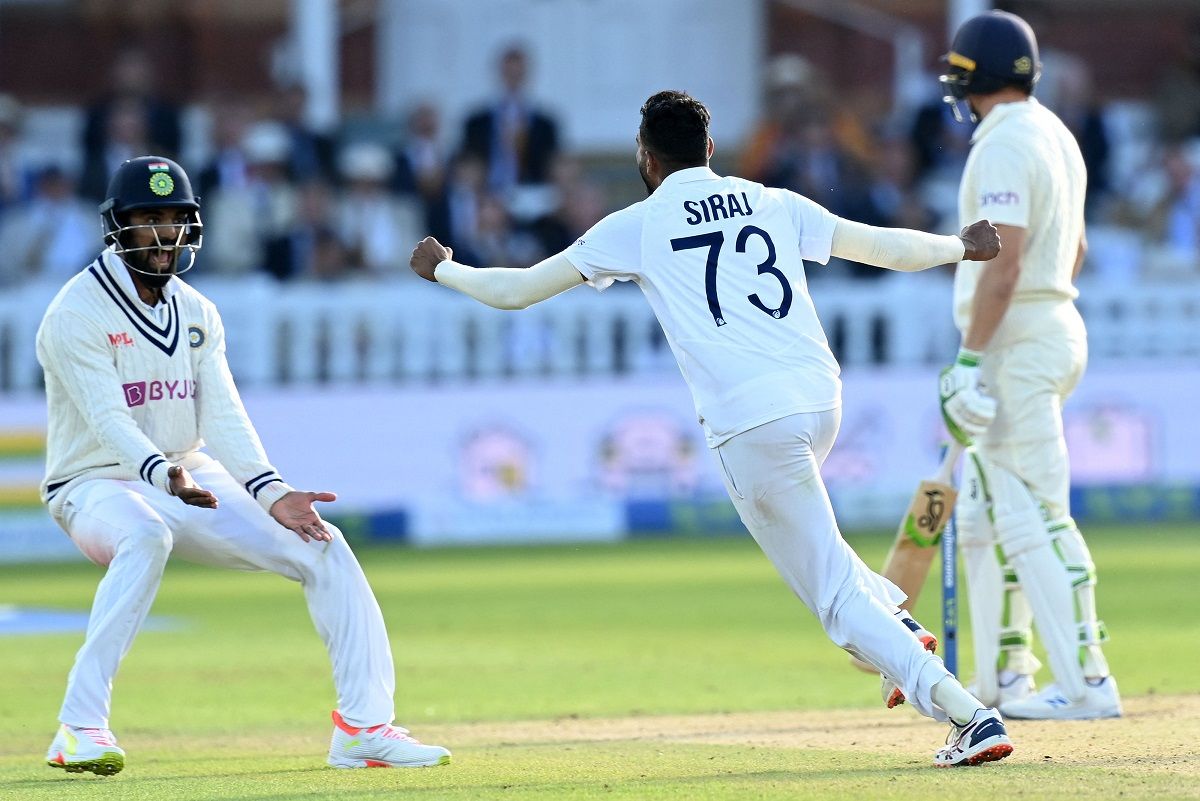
[(907, 250), (498, 287)]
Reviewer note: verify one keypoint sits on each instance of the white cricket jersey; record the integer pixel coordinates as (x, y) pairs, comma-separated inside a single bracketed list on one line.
[(132, 388), (1024, 170), (719, 260)]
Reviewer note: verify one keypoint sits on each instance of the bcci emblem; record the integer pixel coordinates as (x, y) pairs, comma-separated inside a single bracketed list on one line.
[(195, 336), (1023, 66), (162, 184)]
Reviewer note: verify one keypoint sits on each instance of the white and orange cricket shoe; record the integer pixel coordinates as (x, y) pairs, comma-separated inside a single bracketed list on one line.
[(76, 750), (382, 746)]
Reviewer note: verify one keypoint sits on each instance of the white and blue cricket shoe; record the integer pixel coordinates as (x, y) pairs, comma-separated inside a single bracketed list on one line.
[(1101, 700), (982, 739)]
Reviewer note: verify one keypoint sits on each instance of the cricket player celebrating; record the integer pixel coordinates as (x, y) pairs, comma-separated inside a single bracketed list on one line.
[(1024, 348), (720, 261), (136, 383)]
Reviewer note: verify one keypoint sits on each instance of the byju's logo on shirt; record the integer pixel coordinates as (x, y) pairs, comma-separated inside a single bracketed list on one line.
[(138, 392), (1000, 199)]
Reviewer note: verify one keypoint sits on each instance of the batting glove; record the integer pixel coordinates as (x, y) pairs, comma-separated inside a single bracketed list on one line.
[(967, 411)]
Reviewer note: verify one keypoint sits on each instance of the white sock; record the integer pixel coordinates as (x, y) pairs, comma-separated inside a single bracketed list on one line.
[(959, 704)]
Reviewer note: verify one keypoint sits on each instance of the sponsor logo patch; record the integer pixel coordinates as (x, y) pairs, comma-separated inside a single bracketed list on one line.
[(138, 393), (135, 393), (120, 339), (1000, 198)]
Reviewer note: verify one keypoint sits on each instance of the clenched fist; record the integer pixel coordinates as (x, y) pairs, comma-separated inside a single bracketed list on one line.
[(981, 241), (427, 255)]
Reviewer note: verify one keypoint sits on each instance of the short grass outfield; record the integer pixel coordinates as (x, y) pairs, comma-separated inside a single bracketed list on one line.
[(670, 669)]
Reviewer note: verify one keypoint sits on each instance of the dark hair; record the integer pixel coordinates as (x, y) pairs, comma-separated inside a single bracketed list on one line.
[(675, 129)]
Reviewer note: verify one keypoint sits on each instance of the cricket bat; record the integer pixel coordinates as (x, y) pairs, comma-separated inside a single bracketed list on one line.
[(917, 538)]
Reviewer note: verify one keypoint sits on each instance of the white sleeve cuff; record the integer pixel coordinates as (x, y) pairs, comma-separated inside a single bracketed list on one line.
[(272, 492)]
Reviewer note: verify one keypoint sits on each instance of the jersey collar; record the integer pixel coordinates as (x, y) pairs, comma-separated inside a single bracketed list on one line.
[(120, 272), (1002, 111), (689, 175)]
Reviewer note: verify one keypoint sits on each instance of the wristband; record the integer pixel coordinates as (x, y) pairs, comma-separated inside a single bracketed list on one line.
[(968, 357)]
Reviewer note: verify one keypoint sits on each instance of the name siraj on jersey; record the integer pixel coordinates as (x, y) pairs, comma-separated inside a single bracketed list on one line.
[(717, 207)]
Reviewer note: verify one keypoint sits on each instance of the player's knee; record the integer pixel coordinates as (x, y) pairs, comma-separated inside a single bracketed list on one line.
[(1075, 553), (150, 538), (1020, 531)]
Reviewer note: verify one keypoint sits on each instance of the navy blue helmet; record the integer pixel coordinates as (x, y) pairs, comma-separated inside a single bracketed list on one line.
[(152, 182), (990, 52)]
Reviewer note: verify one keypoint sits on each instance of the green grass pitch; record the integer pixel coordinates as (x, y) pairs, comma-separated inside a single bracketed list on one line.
[(567, 672)]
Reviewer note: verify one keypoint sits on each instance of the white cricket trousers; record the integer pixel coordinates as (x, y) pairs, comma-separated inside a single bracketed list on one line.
[(132, 528), (773, 475)]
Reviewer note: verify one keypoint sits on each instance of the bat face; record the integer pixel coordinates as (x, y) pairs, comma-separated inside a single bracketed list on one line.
[(927, 514)]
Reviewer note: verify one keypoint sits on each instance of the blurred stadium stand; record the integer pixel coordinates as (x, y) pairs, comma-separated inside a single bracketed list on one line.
[(328, 132)]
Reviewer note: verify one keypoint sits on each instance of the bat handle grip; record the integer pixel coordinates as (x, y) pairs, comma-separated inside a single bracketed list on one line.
[(946, 470)]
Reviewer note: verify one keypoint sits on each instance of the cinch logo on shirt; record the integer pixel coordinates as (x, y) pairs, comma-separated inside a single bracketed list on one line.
[(1000, 198), (119, 339), (138, 392)]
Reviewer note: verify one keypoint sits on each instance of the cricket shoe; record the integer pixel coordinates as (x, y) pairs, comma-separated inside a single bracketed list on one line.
[(76, 750), (1013, 687), (382, 746), (982, 739), (1100, 700), (893, 696)]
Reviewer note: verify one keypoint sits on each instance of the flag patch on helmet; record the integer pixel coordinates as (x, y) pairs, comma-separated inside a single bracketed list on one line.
[(155, 166)]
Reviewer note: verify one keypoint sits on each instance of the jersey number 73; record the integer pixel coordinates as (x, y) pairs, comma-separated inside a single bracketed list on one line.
[(714, 241)]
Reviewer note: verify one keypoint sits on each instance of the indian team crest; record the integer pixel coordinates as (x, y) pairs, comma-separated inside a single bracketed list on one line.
[(162, 184), (196, 336)]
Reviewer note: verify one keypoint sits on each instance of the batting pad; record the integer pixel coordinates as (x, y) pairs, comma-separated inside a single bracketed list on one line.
[(985, 578), (1027, 542)]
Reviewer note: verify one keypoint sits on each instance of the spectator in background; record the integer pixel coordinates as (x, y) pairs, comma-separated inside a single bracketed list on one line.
[(421, 161), (16, 173), (1165, 206), (515, 140), (52, 236), (792, 92), (940, 146), (243, 218), (374, 223), (894, 197), (1066, 89), (499, 240), (1177, 99), (579, 204), (132, 91), (125, 138), (310, 248), (228, 168), (456, 213), (310, 155)]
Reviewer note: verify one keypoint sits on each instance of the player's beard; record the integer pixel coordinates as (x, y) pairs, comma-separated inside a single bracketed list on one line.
[(645, 178), (149, 274)]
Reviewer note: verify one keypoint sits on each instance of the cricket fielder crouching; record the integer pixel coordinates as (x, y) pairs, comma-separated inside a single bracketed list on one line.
[(1024, 348), (136, 383), (720, 261)]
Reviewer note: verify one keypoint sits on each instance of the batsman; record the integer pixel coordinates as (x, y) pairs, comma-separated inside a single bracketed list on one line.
[(1024, 349)]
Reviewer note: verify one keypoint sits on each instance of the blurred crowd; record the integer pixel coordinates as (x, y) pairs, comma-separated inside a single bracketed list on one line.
[(284, 200), (281, 199)]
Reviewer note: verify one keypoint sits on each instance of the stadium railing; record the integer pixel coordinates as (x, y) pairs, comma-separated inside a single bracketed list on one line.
[(404, 331)]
